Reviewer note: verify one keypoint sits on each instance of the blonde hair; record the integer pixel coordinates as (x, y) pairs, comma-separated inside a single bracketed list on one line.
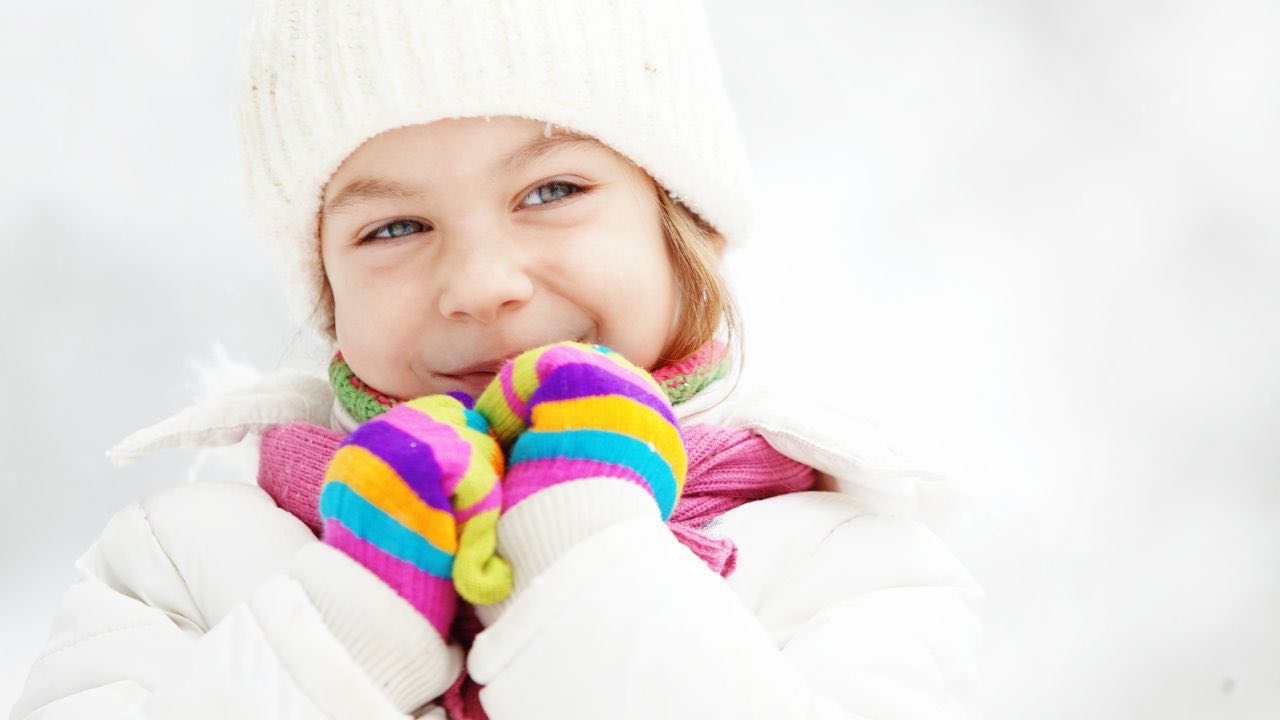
[(705, 299), (705, 302)]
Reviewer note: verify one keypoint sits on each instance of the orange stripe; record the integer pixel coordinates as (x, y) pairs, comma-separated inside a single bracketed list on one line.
[(618, 414), (376, 482)]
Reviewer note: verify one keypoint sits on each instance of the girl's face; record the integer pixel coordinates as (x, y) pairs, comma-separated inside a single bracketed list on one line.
[(453, 246)]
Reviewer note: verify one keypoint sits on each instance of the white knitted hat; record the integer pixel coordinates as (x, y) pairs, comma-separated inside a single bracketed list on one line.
[(316, 78)]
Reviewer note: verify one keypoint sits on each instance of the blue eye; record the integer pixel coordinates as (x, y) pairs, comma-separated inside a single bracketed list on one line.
[(397, 229), (547, 194), (552, 192)]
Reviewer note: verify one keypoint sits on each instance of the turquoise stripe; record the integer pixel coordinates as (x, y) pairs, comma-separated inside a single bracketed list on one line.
[(476, 421), (604, 446), (368, 522)]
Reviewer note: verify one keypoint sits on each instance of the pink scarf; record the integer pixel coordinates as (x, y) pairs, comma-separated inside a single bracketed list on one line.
[(727, 468)]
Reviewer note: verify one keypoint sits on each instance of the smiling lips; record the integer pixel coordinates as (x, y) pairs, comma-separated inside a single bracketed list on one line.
[(480, 374), (474, 383)]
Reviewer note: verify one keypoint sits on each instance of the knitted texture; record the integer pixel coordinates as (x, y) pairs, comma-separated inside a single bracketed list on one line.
[(362, 401), (727, 468), (292, 459), (413, 495), (684, 379), (292, 456), (569, 410), (679, 380), (314, 81)]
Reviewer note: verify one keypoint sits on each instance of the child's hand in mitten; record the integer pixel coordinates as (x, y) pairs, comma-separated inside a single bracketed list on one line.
[(591, 440), (413, 495)]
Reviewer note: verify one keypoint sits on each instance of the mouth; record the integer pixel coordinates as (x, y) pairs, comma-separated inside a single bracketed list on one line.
[(473, 383), (482, 374), (475, 378)]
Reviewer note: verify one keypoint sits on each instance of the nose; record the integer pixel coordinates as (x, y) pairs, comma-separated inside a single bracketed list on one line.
[(481, 282)]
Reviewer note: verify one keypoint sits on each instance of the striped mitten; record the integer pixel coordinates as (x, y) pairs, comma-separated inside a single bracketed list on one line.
[(413, 495), (591, 440)]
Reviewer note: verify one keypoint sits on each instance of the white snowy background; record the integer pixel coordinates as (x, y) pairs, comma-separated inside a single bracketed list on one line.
[(1038, 239)]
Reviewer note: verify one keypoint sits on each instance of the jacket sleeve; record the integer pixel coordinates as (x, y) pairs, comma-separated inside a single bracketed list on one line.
[(208, 601), (831, 614)]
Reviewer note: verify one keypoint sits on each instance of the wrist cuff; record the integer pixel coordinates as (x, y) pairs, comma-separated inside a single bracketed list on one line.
[(535, 533), (397, 648)]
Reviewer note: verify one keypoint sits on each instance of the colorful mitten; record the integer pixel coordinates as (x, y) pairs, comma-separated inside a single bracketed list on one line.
[(397, 492), (568, 411), (591, 442)]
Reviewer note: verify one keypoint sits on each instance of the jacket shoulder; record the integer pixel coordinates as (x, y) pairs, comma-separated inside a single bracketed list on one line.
[(227, 416), (856, 457), (802, 552), (195, 550)]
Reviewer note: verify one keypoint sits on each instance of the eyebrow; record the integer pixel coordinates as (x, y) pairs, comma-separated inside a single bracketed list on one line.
[(357, 191), (540, 146), (362, 189)]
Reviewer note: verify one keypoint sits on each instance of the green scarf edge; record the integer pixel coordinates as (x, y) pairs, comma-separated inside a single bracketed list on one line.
[(363, 405)]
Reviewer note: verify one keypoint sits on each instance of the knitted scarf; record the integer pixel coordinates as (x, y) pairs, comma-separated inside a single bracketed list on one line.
[(727, 468), (680, 381)]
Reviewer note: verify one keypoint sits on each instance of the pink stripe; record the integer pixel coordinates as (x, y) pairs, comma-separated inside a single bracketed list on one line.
[(706, 355), (433, 597), (452, 453), (492, 501), (517, 406), (530, 476), (561, 355)]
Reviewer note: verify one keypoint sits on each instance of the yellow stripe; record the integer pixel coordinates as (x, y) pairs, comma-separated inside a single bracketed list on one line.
[(618, 414), (440, 408), (492, 404), (449, 411), (481, 576), (482, 473), (524, 372), (376, 482)]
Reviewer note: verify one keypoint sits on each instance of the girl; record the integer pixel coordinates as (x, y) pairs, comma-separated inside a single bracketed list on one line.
[(508, 220)]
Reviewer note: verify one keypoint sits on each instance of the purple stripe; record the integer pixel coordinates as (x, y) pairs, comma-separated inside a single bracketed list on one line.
[(561, 355), (578, 380), (417, 466), (467, 401), (530, 476), (434, 598), (450, 450)]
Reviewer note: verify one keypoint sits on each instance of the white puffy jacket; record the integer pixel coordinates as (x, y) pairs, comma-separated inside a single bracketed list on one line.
[(206, 600)]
